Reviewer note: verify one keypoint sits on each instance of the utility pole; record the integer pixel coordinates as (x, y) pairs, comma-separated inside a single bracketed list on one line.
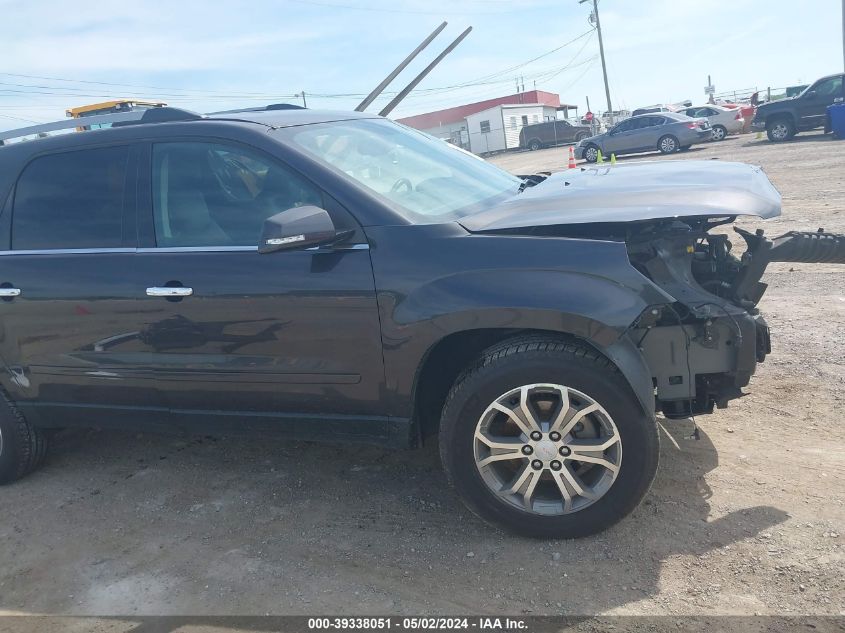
[(601, 53), (302, 94)]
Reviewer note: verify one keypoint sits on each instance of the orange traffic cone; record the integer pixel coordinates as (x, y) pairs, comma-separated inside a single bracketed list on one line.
[(572, 164)]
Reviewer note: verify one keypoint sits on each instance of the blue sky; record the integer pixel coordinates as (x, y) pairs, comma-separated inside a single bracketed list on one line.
[(215, 55)]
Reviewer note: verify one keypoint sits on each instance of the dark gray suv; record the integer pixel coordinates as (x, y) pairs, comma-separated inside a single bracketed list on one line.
[(551, 134), (334, 276)]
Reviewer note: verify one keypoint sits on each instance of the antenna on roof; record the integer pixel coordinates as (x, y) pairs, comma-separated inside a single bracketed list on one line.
[(404, 93), (380, 88)]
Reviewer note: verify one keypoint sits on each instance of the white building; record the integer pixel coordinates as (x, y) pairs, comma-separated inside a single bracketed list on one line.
[(497, 129), (451, 123)]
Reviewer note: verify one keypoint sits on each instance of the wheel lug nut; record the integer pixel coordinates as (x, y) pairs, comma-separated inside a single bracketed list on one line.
[(565, 451), (537, 464), (554, 436), (556, 465), (527, 450), (536, 436)]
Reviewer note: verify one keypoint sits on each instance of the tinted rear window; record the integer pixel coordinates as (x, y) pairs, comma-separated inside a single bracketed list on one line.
[(71, 200)]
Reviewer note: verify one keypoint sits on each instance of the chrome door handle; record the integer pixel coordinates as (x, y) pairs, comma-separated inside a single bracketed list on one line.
[(10, 292), (168, 291)]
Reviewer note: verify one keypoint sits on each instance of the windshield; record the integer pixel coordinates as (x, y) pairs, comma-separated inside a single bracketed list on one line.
[(424, 179)]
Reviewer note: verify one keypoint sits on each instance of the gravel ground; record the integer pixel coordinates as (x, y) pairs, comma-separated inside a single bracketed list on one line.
[(748, 519)]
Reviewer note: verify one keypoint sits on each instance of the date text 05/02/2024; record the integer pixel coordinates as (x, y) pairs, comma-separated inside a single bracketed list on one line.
[(492, 624)]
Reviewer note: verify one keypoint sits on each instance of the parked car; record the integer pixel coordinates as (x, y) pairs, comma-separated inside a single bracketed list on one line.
[(618, 117), (723, 121), (655, 109), (339, 277), (667, 132), (784, 118), (551, 134), (748, 110)]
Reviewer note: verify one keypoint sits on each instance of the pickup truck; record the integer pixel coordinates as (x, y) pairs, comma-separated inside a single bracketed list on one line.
[(784, 118)]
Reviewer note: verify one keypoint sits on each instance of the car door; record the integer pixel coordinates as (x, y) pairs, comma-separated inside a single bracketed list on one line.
[(69, 310), (619, 139), (647, 132), (292, 337), (563, 131), (813, 105)]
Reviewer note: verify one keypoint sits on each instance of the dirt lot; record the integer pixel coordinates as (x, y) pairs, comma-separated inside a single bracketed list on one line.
[(749, 519)]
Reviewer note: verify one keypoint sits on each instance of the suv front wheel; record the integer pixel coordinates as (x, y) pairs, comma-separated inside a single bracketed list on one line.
[(780, 130), (533, 436)]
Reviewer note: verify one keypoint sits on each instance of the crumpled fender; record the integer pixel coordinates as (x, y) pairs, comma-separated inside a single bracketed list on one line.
[(583, 288)]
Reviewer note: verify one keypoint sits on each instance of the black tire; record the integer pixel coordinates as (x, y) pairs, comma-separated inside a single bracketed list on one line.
[(720, 133), (581, 136), (780, 129), (539, 359), (22, 446), (589, 155), (534, 145), (668, 144)]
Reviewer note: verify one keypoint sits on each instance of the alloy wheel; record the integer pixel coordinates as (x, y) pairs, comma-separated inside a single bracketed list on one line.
[(547, 449), (591, 154), (668, 145), (780, 131), (718, 133)]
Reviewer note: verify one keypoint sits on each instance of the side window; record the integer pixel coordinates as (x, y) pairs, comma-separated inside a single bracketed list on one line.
[(525, 119), (830, 87), (484, 126), (625, 126), (206, 194), (71, 200), (513, 122)]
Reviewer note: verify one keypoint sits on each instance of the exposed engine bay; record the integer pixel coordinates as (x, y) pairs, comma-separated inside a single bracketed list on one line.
[(702, 348)]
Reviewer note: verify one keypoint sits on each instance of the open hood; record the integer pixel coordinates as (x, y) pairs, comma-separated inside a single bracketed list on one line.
[(635, 192)]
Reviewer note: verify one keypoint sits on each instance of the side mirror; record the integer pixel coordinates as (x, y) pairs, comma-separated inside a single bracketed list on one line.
[(297, 228)]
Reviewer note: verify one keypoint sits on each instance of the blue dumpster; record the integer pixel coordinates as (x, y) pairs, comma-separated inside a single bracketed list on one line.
[(836, 112)]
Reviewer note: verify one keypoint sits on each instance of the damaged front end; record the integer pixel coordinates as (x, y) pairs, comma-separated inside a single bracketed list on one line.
[(705, 346)]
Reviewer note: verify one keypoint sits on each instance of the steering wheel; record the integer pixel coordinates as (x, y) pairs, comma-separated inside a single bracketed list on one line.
[(227, 172), (402, 182)]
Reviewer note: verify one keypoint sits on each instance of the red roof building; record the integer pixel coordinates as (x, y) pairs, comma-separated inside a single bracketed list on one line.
[(451, 116)]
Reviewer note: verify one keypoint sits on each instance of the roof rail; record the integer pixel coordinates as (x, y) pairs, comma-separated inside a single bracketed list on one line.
[(267, 108), (153, 115)]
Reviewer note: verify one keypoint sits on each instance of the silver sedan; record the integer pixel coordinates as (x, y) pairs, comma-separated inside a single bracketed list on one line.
[(666, 132)]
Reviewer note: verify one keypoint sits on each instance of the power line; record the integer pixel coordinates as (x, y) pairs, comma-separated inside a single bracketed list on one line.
[(200, 92)]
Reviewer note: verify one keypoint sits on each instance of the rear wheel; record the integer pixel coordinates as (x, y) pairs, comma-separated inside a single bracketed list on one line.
[(535, 145), (668, 144), (780, 130), (580, 136), (532, 438), (591, 153), (22, 446), (720, 132)]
